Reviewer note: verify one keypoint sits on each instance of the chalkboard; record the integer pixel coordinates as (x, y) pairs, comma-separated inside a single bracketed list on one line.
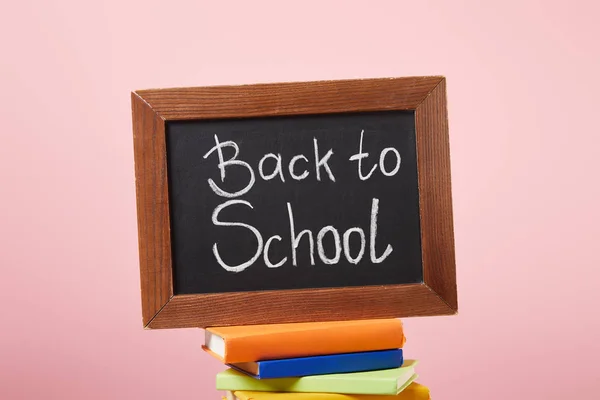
[(334, 201), (293, 202)]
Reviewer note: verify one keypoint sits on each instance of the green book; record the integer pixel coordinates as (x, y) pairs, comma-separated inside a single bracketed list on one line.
[(385, 381)]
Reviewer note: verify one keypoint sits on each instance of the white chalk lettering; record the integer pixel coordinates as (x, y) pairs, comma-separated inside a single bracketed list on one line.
[(296, 239), (351, 239), (338, 247), (323, 162), (215, 220), (382, 160), (268, 262), (359, 156), (388, 250), (349, 257), (291, 166), (277, 170), (223, 164)]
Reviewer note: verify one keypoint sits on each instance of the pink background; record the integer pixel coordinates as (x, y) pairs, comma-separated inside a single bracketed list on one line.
[(523, 100)]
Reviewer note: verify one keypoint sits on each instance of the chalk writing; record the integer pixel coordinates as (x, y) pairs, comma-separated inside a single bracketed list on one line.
[(271, 166)]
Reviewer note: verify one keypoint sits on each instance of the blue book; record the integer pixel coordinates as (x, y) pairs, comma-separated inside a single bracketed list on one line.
[(321, 365)]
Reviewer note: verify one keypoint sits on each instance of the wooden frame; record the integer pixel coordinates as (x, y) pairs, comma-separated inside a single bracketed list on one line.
[(437, 295)]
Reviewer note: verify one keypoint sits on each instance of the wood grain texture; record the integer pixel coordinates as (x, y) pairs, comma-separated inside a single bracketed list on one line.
[(152, 208), (435, 195), (301, 305), (153, 108), (320, 97)]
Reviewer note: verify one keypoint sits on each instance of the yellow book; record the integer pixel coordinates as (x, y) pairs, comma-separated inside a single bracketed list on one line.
[(414, 391)]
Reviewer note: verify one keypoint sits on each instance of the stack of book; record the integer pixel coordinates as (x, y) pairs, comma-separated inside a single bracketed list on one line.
[(346, 360)]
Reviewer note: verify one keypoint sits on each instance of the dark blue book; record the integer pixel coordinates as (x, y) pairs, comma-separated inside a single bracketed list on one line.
[(321, 365)]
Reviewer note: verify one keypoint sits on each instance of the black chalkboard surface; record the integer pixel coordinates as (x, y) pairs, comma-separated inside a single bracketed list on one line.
[(335, 201), (294, 202)]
